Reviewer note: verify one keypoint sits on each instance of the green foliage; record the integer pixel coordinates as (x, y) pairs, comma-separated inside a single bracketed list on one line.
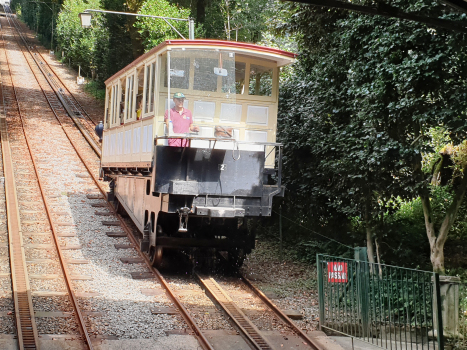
[(242, 20), (354, 114), (96, 89), (437, 139), (403, 238), (83, 47), (40, 16), (155, 31), (459, 157), (121, 48)]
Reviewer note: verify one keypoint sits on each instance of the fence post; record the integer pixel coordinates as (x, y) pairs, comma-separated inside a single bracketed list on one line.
[(439, 313), (320, 276), (362, 288)]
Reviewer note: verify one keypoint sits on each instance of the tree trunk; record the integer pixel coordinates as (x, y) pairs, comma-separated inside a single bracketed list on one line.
[(378, 257), (437, 258), (369, 233), (436, 251), (437, 241)]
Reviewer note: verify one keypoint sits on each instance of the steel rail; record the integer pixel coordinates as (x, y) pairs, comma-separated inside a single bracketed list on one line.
[(203, 341), (68, 105), (66, 88), (184, 312), (74, 101), (79, 316), (201, 338), (28, 337), (64, 99), (188, 319), (249, 330), (313, 344)]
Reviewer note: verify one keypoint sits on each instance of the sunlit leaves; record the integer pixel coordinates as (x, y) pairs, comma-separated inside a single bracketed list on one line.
[(153, 30), (82, 46), (359, 111)]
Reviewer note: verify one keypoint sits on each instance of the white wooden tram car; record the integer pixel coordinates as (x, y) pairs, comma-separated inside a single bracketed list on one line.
[(195, 197)]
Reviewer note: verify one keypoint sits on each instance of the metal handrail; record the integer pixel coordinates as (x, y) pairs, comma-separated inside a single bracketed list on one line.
[(191, 136)]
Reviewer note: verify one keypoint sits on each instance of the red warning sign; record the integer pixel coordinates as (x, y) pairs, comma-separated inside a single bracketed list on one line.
[(337, 272)]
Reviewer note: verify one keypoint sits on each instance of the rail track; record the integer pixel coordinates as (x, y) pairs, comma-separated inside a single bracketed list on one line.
[(59, 113), (25, 320), (242, 321), (63, 97), (83, 148), (26, 325)]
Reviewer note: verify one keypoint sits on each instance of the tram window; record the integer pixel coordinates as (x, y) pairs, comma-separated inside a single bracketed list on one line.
[(205, 79), (229, 80), (114, 112), (153, 80), (108, 108), (150, 71), (240, 69), (129, 97), (148, 75), (179, 72), (139, 93), (121, 110), (260, 80)]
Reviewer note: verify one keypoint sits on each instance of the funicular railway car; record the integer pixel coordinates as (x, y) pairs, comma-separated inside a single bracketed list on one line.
[(195, 194)]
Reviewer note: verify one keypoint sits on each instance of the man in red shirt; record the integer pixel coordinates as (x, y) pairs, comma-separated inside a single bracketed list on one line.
[(182, 120)]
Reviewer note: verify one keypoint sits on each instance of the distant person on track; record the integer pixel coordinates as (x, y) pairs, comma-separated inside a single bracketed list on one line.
[(181, 120)]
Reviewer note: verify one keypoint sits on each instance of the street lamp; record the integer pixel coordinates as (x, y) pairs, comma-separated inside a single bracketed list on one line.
[(85, 18)]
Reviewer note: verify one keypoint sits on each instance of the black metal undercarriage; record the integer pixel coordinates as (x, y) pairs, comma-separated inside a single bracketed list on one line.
[(208, 196)]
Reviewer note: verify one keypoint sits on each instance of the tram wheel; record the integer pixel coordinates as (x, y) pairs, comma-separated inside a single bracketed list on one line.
[(155, 256)]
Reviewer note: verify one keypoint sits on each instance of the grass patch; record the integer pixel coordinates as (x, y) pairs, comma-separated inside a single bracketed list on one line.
[(95, 89)]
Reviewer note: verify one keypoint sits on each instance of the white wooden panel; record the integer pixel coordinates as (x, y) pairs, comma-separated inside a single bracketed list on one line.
[(136, 139), (145, 137), (204, 131), (128, 141), (231, 113), (254, 136), (257, 115), (149, 138), (204, 110), (106, 145), (120, 143), (113, 138)]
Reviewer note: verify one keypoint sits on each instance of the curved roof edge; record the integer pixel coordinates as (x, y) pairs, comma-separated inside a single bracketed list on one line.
[(206, 42)]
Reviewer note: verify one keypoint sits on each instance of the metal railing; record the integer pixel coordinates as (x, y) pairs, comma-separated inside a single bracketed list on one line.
[(388, 306), (458, 339)]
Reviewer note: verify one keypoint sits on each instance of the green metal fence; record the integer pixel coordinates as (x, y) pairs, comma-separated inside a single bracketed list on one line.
[(388, 306), (458, 340)]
